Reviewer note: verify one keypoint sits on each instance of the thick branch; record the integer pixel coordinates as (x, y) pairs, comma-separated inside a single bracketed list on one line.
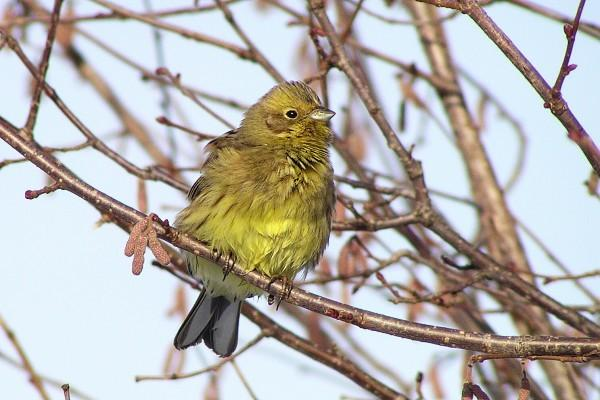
[(516, 346)]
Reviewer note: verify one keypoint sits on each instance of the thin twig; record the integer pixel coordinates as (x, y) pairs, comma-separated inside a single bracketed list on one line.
[(586, 27), (52, 381), (43, 69), (100, 16), (211, 368), (244, 54), (150, 75), (566, 68), (346, 32), (165, 102), (175, 80), (95, 142), (256, 53), (33, 375), (197, 135), (243, 379)]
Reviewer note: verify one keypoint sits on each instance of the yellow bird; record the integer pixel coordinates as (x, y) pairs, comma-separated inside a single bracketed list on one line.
[(265, 198)]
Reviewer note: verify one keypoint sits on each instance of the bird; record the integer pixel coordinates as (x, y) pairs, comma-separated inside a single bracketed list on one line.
[(265, 199)]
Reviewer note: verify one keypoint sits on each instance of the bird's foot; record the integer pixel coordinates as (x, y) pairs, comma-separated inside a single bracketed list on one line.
[(288, 285), (230, 262)]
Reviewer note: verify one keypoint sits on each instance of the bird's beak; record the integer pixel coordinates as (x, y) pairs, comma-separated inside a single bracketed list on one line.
[(322, 114)]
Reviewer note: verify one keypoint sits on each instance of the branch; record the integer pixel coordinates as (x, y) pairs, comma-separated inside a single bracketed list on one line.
[(43, 68), (35, 378), (427, 216), (558, 106), (566, 68), (244, 54), (330, 357), (126, 217), (256, 53), (95, 142), (51, 381), (99, 16), (412, 166), (586, 27), (212, 368)]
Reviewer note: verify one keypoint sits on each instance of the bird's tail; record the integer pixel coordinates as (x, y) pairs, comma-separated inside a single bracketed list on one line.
[(214, 320)]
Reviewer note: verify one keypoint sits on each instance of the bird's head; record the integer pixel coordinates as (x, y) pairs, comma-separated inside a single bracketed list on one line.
[(291, 110)]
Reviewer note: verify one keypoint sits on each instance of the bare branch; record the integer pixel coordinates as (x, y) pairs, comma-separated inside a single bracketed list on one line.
[(33, 375), (126, 217)]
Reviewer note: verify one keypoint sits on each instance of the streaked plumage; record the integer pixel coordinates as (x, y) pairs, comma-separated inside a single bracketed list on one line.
[(265, 197)]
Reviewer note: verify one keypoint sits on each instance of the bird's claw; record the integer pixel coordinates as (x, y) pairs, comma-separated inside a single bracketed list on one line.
[(288, 285)]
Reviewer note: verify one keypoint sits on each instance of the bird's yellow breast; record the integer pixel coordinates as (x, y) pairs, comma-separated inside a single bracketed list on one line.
[(276, 222)]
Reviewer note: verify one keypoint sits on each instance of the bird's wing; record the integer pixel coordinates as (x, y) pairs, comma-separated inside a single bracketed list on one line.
[(228, 139)]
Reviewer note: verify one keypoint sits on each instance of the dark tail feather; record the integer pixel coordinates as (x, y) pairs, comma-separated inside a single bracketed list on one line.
[(222, 336), (214, 320)]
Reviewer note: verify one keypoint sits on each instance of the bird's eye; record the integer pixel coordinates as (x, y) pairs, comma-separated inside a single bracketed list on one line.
[(291, 114)]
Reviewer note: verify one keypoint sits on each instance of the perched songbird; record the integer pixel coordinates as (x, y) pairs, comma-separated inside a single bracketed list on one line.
[(265, 198)]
